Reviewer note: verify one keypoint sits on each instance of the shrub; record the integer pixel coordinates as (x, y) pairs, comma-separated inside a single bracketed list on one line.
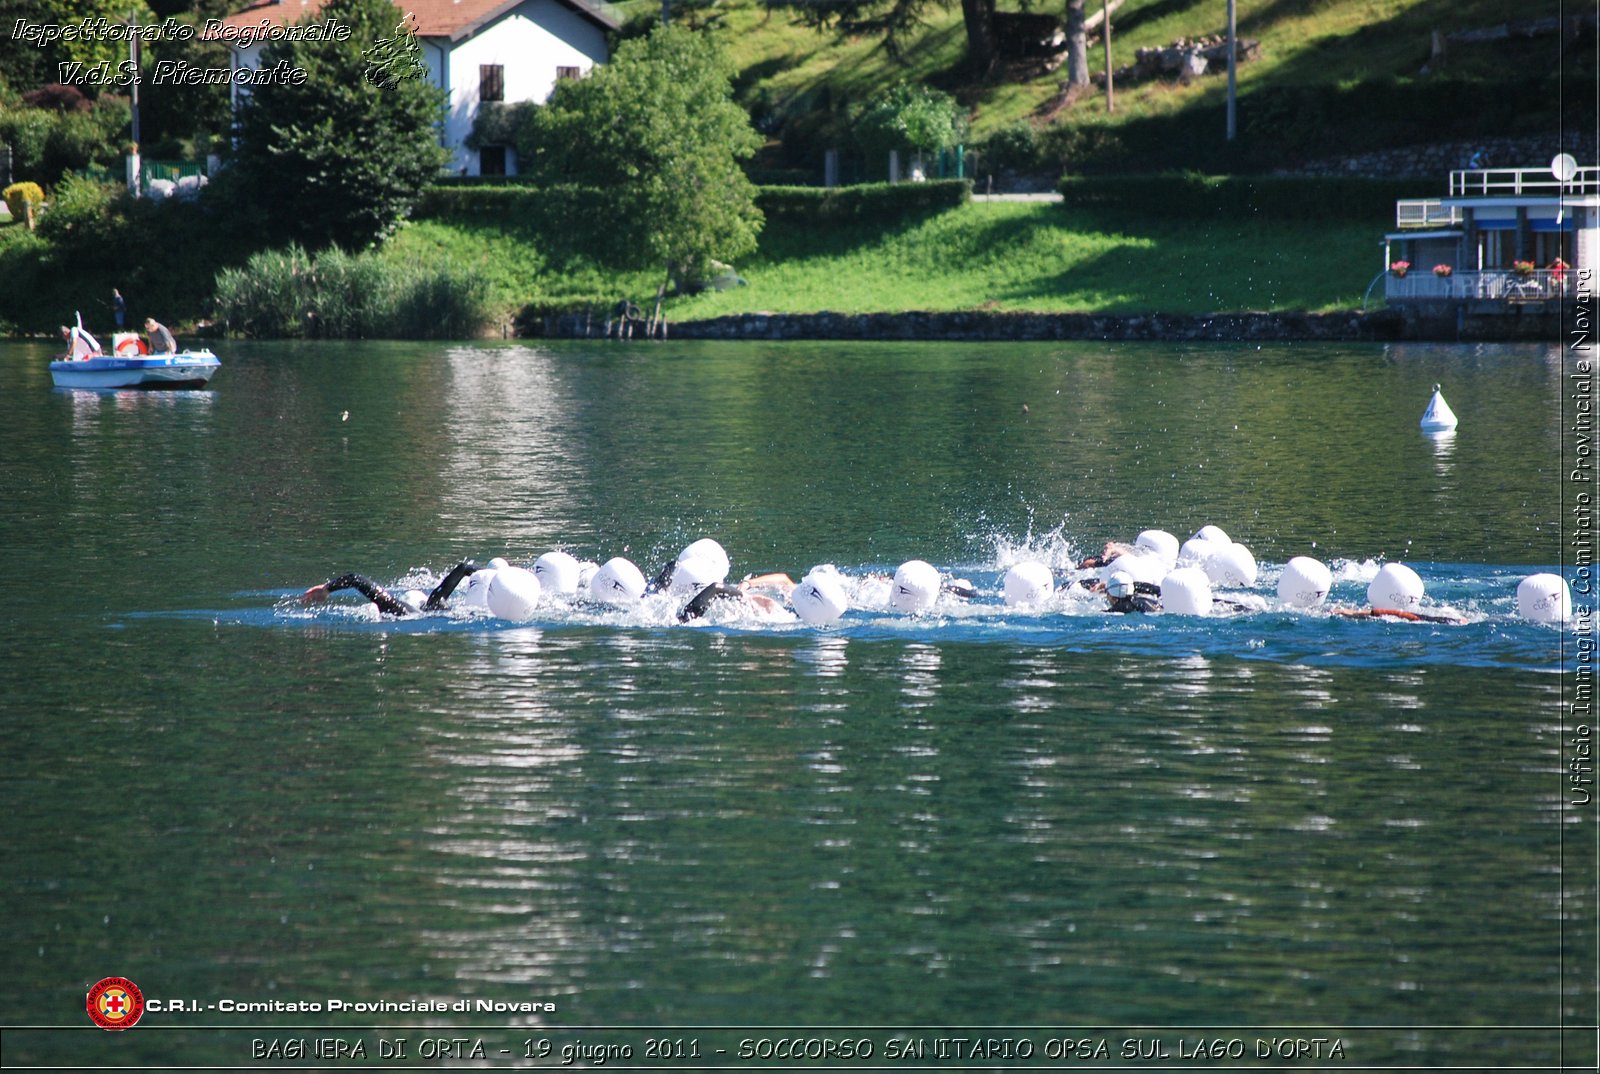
[(1013, 149), (336, 295), (80, 212), (870, 201), (21, 195)]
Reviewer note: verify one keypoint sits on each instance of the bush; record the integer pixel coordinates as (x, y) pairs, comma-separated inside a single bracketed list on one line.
[(80, 212), (336, 295), (868, 202), (1013, 149), (1276, 197), (21, 195)]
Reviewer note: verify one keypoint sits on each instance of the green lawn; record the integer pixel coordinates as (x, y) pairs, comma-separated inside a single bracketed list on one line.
[(984, 255)]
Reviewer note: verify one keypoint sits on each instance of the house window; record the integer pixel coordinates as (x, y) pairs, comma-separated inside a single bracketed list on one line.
[(564, 73), (492, 160), (491, 82)]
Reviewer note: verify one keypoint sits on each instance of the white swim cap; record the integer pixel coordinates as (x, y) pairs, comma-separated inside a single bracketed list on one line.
[(916, 587), (1212, 533), (557, 573), (1232, 566), (1029, 583), (1304, 582), (1160, 542), (1544, 598), (820, 599), (1396, 586), (708, 549), (618, 581), (1120, 584), (513, 593), (691, 575), (415, 599), (478, 587), (497, 562), (1186, 591), (1196, 550)]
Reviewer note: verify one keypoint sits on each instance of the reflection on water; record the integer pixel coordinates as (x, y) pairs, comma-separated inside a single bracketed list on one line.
[(973, 817)]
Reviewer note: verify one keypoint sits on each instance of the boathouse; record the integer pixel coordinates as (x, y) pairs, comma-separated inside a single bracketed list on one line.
[(1502, 242)]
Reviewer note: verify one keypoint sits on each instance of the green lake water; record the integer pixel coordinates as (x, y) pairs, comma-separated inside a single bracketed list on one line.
[(1146, 832)]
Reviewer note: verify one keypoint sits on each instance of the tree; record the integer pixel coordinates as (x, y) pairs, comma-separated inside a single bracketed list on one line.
[(340, 156), (910, 116), (1077, 45), (893, 18), (654, 138)]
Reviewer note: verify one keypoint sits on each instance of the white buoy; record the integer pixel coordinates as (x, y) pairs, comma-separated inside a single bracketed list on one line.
[(478, 587), (1186, 591), (1212, 533), (1143, 567), (711, 551), (1161, 543), (819, 598), (497, 562), (1544, 598), (618, 581), (1196, 550), (691, 575), (1233, 567), (586, 572), (513, 593), (1305, 582), (558, 573), (1029, 584), (1396, 586), (1438, 418), (915, 588)]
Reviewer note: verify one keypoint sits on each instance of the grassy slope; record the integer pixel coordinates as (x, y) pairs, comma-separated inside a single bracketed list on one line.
[(1032, 256), (985, 255), (1333, 44)]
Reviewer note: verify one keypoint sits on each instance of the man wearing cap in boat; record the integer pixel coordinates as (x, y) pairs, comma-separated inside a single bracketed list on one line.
[(161, 341)]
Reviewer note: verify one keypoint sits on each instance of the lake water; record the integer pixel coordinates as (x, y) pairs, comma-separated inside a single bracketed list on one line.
[(1050, 826)]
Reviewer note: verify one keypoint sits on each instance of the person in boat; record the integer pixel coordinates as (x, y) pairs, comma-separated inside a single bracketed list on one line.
[(161, 341), (388, 603), (744, 592), (119, 308), (80, 344)]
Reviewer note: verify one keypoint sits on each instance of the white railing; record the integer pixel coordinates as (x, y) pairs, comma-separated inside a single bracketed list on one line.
[(1491, 284), (1515, 182), (1424, 212)]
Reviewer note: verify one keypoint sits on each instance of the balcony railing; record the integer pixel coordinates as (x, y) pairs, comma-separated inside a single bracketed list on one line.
[(1425, 212), (1489, 284), (1517, 182)]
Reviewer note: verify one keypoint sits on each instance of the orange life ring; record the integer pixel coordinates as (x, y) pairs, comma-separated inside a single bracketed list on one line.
[(130, 347)]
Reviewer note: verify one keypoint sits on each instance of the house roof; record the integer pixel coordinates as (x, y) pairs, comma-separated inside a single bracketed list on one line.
[(450, 19)]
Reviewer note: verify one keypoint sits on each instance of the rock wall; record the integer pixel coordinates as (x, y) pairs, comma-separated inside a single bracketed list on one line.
[(1436, 162), (1382, 325)]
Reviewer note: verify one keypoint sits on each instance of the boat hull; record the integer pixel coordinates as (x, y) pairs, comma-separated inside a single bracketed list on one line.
[(187, 369)]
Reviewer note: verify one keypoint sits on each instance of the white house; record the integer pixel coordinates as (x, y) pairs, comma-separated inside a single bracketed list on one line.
[(477, 51), (1502, 240)]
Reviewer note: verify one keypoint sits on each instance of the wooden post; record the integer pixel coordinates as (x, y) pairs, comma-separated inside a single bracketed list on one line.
[(1105, 10), (1233, 63)]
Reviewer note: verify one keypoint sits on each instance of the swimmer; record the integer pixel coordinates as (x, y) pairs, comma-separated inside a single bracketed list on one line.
[(1111, 551), (387, 603), (1126, 596), (744, 592), (1396, 613)]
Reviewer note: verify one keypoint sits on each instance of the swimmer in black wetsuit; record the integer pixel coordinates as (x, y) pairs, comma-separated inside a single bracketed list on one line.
[(387, 603), (1126, 596), (702, 601)]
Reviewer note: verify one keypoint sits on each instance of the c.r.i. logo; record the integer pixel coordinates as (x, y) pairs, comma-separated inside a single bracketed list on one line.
[(115, 1003)]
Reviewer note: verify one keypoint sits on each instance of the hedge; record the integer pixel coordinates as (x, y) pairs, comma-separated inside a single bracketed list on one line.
[(1276, 197), (865, 202)]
